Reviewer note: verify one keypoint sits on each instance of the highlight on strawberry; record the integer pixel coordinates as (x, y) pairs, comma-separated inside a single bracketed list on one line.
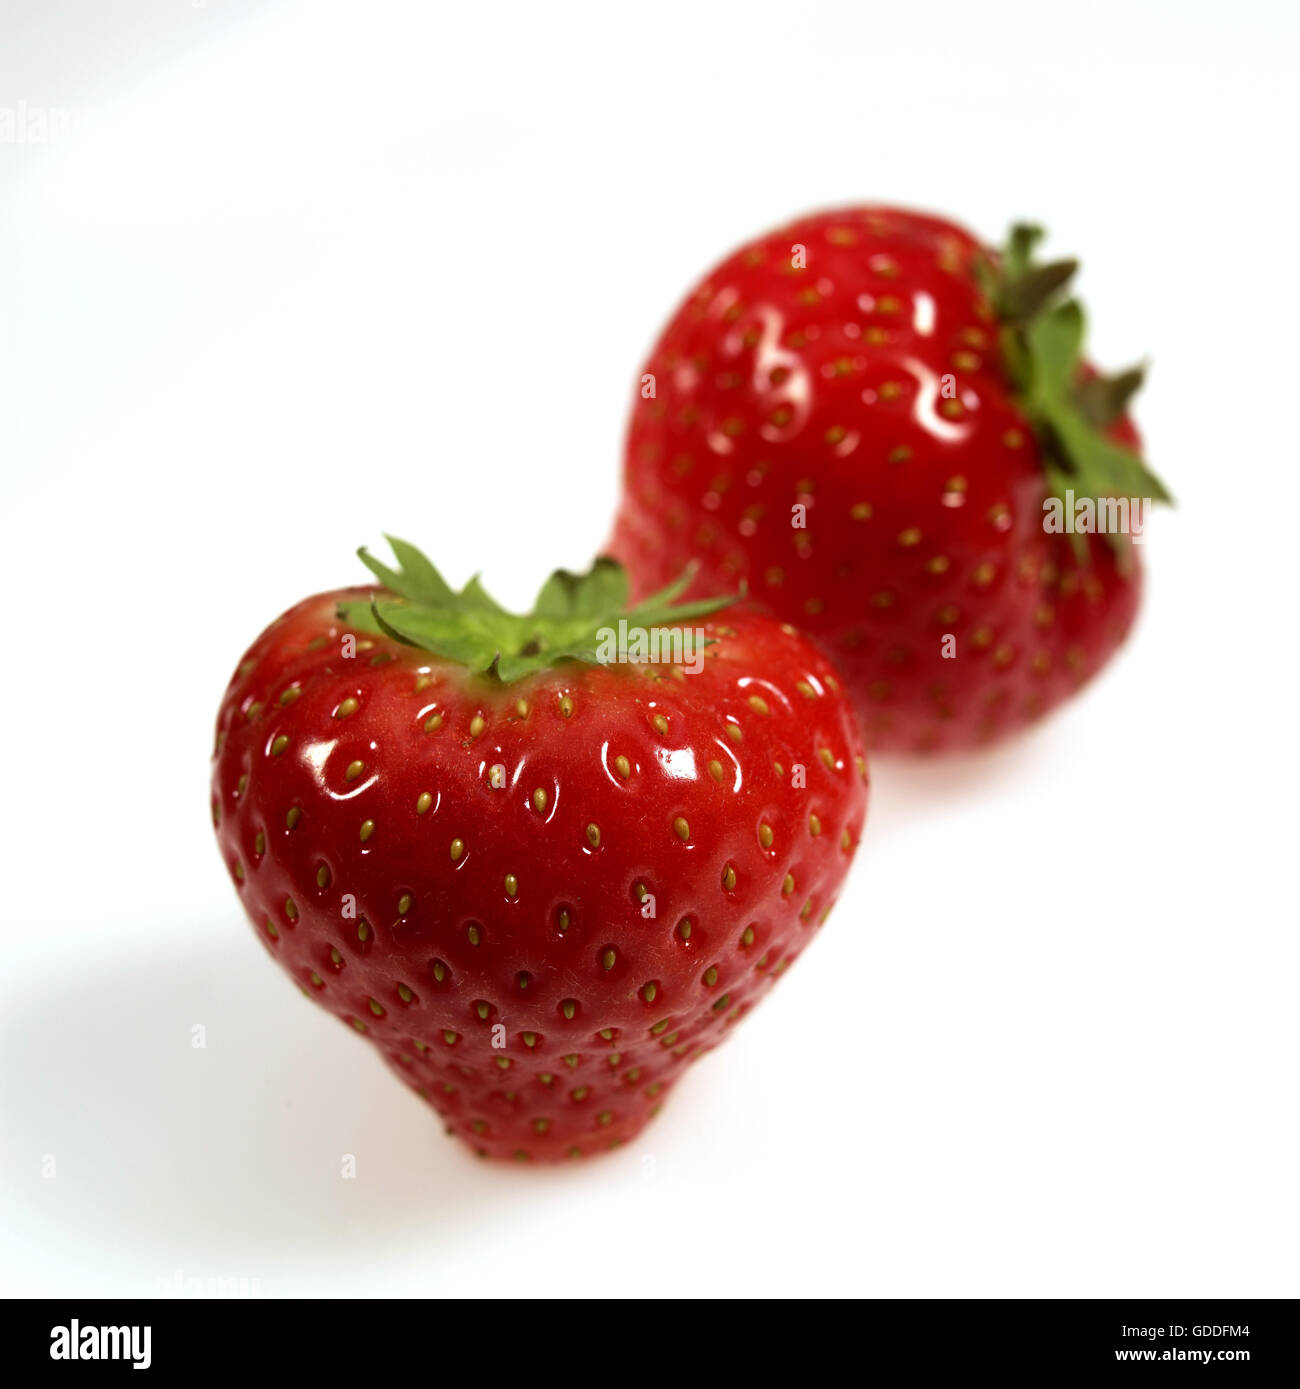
[(539, 882), (892, 434)]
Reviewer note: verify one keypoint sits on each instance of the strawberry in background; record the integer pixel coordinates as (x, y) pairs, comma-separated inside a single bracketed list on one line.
[(860, 417), (540, 879)]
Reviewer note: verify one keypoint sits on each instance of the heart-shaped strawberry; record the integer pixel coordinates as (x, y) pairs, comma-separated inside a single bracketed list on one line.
[(542, 862)]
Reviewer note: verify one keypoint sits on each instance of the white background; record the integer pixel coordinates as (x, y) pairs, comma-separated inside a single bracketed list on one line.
[(307, 272)]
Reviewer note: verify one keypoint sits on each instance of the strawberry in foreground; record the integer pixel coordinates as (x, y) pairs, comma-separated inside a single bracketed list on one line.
[(861, 415), (539, 884)]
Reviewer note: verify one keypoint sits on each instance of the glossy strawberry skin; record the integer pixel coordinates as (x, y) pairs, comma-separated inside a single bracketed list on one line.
[(822, 388), (478, 906)]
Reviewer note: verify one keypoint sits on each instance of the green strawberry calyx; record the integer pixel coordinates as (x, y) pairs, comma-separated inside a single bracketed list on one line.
[(575, 617), (1071, 409)]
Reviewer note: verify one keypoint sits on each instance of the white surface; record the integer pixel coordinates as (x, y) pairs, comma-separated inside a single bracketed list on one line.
[(307, 272)]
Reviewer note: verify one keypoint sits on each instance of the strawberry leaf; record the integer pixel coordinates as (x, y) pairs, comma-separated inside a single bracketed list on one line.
[(1054, 342), (423, 582), (1020, 299), (602, 589), (573, 618), (1071, 408), (1104, 399), (1022, 241)]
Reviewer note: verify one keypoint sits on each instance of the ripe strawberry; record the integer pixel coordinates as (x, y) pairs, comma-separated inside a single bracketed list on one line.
[(539, 884), (861, 415)]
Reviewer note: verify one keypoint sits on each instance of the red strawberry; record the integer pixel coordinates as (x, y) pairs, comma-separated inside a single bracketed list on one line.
[(861, 415), (541, 885)]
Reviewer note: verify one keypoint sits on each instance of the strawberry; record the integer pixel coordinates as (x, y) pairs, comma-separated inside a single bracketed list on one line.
[(870, 419), (539, 879)]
